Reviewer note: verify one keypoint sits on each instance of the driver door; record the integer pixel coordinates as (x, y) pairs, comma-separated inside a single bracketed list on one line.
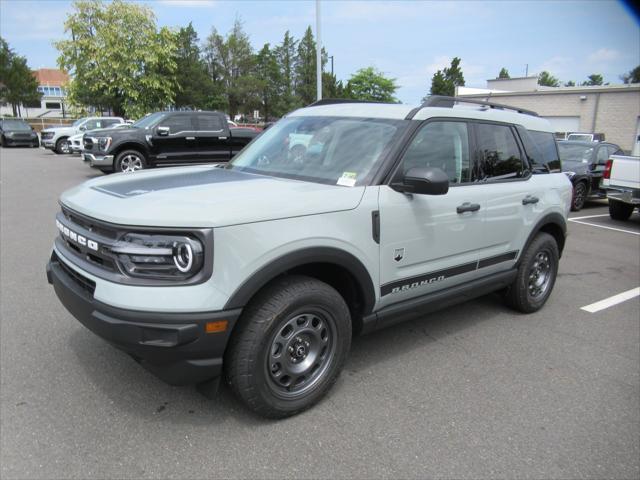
[(431, 242), (179, 145)]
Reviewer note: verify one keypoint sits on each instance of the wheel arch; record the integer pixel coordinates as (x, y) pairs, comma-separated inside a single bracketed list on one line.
[(131, 145), (338, 268), (555, 225)]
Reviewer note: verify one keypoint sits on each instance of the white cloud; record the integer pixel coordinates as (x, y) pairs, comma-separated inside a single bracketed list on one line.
[(188, 3), (603, 55)]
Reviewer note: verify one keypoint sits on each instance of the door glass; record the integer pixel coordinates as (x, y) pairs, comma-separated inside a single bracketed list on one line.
[(209, 123), (177, 124), (443, 145), (500, 157)]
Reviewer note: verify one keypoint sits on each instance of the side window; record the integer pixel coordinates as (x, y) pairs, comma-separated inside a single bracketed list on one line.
[(92, 124), (177, 123), (500, 157), (544, 152), (209, 123), (109, 122), (443, 145)]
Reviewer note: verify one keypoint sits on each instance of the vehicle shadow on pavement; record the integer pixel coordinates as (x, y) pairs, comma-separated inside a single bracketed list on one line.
[(129, 387)]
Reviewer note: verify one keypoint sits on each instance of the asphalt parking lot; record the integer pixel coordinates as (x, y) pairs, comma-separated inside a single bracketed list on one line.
[(475, 391)]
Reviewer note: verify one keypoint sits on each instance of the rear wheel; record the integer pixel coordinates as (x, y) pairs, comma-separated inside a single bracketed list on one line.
[(620, 210), (62, 146), (579, 196), (536, 275), (289, 347), (129, 161)]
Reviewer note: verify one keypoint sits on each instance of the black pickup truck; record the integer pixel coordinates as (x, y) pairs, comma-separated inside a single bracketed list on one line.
[(165, 138)]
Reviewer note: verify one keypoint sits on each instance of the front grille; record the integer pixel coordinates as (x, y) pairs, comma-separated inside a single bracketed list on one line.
[(88, 143), (22, 136), (80, 280)]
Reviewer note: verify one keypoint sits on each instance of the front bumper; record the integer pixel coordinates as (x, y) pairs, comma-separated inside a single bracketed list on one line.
[(173, 346), (98, 160)]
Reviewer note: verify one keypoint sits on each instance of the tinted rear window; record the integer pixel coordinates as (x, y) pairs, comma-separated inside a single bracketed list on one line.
[(544, 151)]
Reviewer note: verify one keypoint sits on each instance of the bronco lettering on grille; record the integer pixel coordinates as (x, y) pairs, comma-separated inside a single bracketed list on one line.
[(76, 237)]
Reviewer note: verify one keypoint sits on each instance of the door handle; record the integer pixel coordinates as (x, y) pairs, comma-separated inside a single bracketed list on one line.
[(529, 199), (468, 207), (191, 138)]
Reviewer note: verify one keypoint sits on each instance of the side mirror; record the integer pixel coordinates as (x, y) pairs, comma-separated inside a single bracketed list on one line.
[(162, 131), (424, 181)]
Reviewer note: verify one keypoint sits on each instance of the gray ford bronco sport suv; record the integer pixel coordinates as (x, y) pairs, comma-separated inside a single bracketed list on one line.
[(262, 270)]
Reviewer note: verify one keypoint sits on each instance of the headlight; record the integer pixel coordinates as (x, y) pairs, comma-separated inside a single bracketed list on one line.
[(103, 143), (570, 174), (8, 134), (159, 256)]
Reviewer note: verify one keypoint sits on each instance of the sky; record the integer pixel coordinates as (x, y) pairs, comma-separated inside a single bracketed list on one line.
[(406, 40)]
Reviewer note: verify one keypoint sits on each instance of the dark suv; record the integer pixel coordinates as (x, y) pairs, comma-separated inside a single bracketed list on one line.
[(583, 163), (165, 138), (15, 132)]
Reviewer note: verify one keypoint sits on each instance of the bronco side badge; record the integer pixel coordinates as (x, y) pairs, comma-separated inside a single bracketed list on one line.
[(398, 254)]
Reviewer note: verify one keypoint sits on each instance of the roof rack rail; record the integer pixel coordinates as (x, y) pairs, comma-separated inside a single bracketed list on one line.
[(449, 102), (333, 101)]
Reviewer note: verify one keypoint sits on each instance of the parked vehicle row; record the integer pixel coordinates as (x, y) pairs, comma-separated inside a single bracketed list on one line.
[(584, 162), (56, 138)]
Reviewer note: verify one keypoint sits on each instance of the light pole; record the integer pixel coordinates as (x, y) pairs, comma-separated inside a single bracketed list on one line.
[(318, 54), (331, 57)]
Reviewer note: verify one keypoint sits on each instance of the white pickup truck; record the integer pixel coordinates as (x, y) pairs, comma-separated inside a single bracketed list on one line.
[(621, 180)]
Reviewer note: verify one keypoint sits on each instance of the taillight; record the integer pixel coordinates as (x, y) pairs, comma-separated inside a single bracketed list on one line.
[(607, 169)]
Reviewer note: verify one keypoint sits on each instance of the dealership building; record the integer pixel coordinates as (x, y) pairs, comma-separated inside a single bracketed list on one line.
[(52, 104), (613, 110)]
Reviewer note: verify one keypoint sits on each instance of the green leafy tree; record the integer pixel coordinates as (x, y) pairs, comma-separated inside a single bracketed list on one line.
[(305, 68), (18, 86), (194, 84), (570, 83), (445, 81), (547, 80), (504, 73), (231, 64), (593, 80), (117, 57), (269, 81), (371, 85), (631, 77), (286, 56)]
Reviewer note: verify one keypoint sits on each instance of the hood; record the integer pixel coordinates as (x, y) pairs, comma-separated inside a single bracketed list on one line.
[(107, 132), (60, 129), (204, 196)]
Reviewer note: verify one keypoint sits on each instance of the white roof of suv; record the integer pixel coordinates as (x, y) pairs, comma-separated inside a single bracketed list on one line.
[(400, 111)]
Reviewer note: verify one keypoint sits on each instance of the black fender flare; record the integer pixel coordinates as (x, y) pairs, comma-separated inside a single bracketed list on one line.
[(557, 221), (299, 258), (130, 145)]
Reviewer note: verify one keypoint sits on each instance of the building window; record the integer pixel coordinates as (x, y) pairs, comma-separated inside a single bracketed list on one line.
[(53, 105)]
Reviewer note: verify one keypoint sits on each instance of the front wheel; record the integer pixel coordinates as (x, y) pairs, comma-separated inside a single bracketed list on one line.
[(129, 161), (536, 275), (62, 146), (289, 347), (620, 210)]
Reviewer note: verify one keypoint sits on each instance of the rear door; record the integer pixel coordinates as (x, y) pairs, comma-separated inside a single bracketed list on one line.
[(513, 200), (213, 142), (179, 146)]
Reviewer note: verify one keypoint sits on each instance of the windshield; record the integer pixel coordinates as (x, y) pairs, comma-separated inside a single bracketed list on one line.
[(15, 125), (78, 122), (331, 150), (149, 120), (575, 153)]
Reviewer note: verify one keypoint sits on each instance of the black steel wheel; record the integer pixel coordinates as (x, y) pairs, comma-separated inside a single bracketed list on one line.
[(537, 271), (579, 196), (289, 346)]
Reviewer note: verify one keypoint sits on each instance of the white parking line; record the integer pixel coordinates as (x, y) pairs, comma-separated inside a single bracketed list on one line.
[(604, 226), (589, 216), (611, 301)]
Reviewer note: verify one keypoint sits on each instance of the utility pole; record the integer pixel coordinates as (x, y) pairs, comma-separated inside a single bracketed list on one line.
[(331, 57), (318, 54), (526, 70)]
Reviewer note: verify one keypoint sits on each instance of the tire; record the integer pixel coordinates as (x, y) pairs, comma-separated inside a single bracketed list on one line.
[(289, 346), (536, 275), (62, 146), (579, 196), (620, 210), (129, 161)]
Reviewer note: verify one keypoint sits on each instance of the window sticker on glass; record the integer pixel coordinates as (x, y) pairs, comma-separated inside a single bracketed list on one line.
[(348, 179)]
